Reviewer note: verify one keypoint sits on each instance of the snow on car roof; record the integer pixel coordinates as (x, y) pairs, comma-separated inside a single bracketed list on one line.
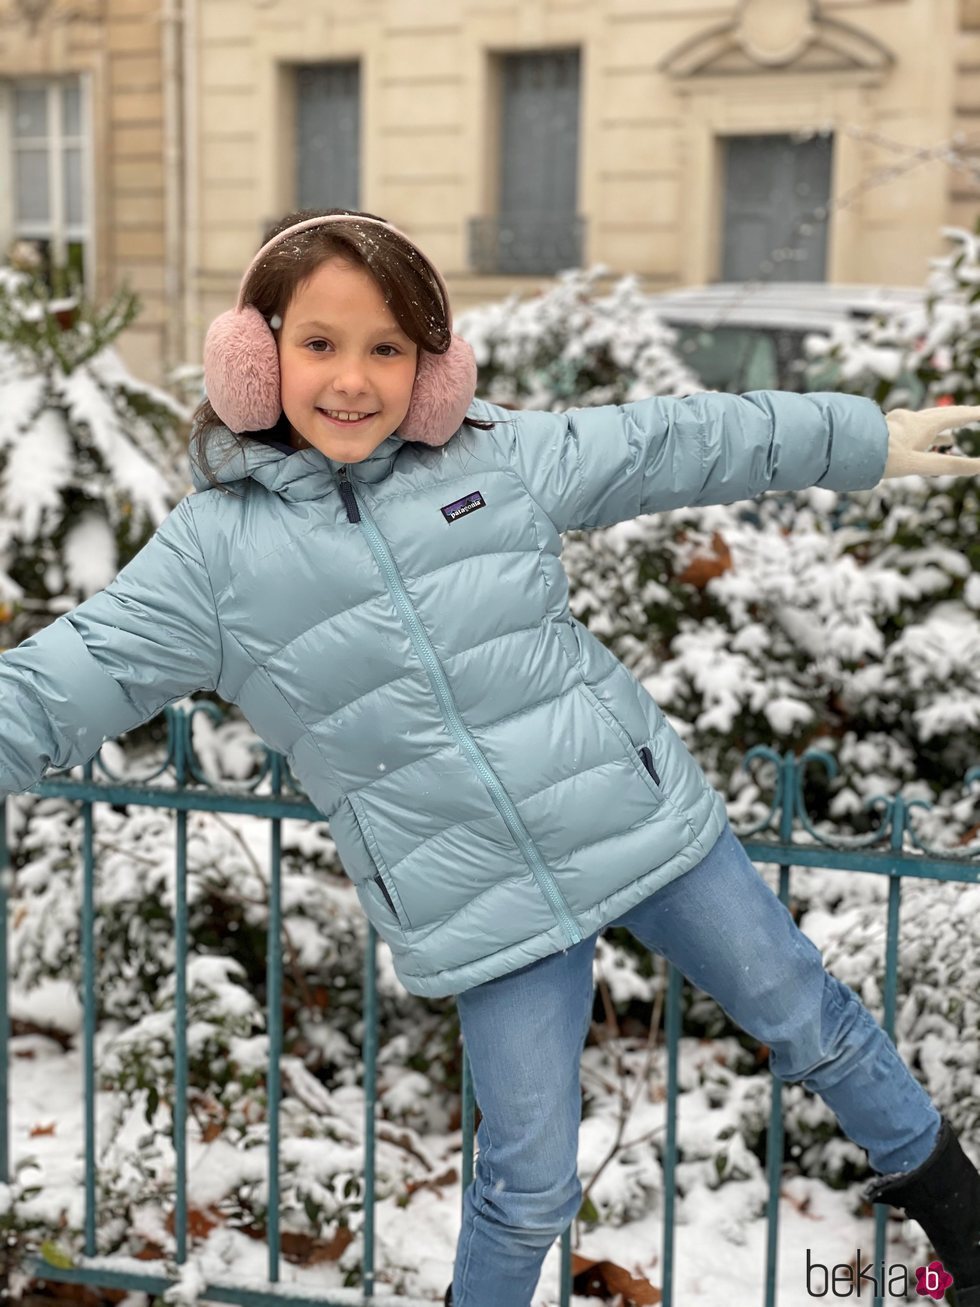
[(800, 306)]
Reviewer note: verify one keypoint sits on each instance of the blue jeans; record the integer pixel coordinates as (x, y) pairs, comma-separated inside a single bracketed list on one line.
[(723, 927)]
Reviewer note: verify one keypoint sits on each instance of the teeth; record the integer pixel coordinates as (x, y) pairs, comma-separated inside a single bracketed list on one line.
[(342, 416)]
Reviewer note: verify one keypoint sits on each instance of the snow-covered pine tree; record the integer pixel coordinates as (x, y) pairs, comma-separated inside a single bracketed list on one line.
[(934, 346), (91, 458), (570, 345), (922, 685)]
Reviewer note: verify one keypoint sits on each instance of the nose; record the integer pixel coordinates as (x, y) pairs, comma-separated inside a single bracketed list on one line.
[(349, 376)]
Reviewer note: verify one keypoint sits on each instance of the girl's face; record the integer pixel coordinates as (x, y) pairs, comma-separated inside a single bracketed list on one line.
[(342, 353)]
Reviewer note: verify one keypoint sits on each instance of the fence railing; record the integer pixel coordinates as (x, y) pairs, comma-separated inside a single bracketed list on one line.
[(881, 852)]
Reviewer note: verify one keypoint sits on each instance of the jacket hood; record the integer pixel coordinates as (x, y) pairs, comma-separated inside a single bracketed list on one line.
[(304, 474)]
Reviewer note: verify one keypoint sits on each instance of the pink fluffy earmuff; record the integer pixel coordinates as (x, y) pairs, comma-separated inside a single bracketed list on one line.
[(241, 362)]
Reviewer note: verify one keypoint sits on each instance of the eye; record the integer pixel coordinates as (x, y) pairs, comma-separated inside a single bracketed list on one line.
[(311, 343), (394, 348)]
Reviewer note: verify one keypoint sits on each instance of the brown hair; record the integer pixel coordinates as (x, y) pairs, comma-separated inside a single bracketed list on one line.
[(397, 268)]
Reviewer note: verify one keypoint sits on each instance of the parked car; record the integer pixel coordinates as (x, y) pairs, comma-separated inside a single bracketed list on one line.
[(749, 336)]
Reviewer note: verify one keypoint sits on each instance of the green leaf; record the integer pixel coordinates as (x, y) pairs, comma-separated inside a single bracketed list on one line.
[(54, 1256)]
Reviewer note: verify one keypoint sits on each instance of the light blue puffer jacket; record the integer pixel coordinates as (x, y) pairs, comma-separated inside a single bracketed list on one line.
[(497, 783)]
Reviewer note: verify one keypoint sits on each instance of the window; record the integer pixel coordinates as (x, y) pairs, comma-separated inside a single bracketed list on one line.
[(536, 229), (777, 193), (44, 175), (328, 131)]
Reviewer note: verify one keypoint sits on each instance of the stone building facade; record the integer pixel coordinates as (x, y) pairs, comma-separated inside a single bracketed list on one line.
[(687, 141)]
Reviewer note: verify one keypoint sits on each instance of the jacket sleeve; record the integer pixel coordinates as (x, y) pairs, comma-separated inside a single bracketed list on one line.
[(151, 636), (592, 467)]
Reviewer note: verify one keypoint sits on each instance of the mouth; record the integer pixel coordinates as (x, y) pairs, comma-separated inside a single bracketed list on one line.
[(345, 417)]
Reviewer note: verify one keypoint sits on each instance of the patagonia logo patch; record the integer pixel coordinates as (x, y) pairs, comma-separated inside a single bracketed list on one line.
[(460, 507)]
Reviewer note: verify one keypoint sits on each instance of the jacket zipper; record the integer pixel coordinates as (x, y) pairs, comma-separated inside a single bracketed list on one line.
[(347, 495), (437, 677)]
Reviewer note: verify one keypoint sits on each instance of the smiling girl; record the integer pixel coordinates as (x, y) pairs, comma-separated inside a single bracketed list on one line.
[(500, 788)]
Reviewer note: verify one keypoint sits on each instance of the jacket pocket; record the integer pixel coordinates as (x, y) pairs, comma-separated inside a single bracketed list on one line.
[(384, 890), (641, 758), (647, 757), (394, 905), (380, 882), (643, 761)]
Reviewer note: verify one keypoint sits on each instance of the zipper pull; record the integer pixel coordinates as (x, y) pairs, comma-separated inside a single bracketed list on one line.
[(347, 494)]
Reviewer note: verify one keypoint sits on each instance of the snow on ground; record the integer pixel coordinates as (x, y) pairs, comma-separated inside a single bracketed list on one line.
[(720, 1235)]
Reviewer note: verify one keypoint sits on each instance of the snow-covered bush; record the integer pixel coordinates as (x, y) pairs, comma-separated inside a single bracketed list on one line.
[(91, 459), (935, 342), (570, 345), (937, 1021)]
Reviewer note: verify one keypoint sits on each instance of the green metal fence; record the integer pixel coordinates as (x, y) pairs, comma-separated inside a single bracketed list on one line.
[(771, 840)]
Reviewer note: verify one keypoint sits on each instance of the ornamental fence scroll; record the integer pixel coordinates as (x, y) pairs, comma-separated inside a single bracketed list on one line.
[(273, 794)]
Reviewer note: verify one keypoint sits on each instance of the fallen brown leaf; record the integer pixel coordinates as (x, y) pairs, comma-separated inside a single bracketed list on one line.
[(704, 566), (602, 1279), (200, 1222), (802, 1205), (307, 1251), (435, 1182)]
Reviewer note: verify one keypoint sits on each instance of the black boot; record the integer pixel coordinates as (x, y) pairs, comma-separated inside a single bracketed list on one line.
[(449, 1296), (943, 1195)]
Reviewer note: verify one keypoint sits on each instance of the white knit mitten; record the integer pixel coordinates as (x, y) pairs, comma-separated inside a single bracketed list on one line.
[(911, 435)]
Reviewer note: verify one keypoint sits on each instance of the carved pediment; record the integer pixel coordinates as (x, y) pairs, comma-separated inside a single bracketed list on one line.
[(768, 34)]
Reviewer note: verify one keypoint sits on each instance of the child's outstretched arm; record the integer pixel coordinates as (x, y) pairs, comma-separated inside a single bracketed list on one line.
[(593, 467), (151, 636)]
